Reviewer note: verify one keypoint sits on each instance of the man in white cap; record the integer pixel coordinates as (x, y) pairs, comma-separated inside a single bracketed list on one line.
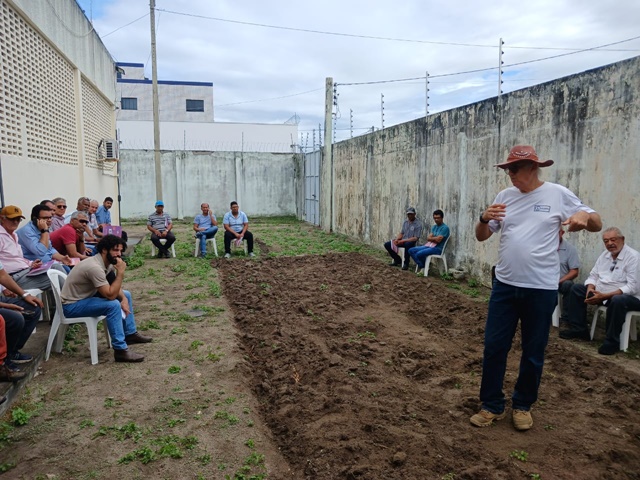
[(528, 217)]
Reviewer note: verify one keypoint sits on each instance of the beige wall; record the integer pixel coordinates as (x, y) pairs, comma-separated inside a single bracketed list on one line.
[(56, 104), (588, 123)]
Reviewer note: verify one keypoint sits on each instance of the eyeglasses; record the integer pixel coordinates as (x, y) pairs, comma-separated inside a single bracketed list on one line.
[(515, 167), (61, 206), (613, 267), (84, 222), (45, 218)]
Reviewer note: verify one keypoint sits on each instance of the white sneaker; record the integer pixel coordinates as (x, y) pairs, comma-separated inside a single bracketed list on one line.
[(227, 255), (252, 254)]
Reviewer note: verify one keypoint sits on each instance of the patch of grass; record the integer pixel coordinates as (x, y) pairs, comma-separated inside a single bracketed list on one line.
[(179, 330), (519, 455), (173, 369), (20, 417), (195, 344), (149, 325), (228, 417)]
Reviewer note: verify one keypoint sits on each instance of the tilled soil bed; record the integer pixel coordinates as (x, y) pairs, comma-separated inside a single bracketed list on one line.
[(365, 371)]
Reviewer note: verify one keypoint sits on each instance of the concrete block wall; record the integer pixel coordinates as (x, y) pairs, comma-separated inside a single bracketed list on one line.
[(263, 184), (588, 123)]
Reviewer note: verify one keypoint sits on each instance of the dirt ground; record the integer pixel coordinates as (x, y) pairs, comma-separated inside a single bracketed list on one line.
[(328, 366)]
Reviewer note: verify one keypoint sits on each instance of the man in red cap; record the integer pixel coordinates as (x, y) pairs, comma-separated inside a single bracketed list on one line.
[(528, 217)]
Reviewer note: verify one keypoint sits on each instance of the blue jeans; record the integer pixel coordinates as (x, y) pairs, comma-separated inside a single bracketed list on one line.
[(203, 235), (19, 325), (420, 254), (508, 304), (96, 306)]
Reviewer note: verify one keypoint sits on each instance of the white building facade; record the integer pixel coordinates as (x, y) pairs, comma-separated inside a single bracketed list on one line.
[(186, 118), (57, 105)]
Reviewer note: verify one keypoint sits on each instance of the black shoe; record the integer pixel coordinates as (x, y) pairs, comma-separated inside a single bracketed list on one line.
[(571, 333), (608, 349), (167, 254), (394, 264), (405, 266)]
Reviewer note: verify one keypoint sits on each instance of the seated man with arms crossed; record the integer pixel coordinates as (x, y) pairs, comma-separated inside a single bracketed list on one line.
[(205, 226), (88, 293), (435, 241), (69, 240)]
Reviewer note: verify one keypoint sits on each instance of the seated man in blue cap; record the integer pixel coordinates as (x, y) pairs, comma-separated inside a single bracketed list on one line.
[(159, 224)]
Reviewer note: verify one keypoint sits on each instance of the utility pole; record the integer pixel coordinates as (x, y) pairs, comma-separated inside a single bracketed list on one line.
[(328, 143), (426, 94), (500, 63), (351, 121), (156, 116)]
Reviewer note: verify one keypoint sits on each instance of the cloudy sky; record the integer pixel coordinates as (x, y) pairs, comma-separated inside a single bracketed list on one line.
[(268, 59)]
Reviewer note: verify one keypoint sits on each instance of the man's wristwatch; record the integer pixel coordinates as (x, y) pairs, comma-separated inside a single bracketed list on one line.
[(482, 220), (44, 230)]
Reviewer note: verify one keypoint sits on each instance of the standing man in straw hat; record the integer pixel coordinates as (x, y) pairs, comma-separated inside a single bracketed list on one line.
[(528, 217)]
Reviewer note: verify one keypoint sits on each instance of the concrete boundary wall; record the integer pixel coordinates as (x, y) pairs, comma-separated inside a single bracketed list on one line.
[(588, 123), (262, 183)]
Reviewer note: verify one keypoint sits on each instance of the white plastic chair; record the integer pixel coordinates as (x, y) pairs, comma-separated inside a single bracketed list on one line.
[(244, 246), (629, 328), (163, 241), (211, 240), (60, 322), (427, 261)]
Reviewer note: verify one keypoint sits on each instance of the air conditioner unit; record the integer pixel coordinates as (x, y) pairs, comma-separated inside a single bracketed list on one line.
[(111, 149)]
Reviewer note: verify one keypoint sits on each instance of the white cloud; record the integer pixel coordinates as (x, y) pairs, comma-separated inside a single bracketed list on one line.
[(251, 63)]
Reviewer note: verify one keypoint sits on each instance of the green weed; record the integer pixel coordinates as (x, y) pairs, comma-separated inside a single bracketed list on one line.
[(519, 455)]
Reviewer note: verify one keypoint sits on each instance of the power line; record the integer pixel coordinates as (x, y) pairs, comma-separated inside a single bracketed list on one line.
[(272, 98), (126, 25), (489, 68), (369, 37)]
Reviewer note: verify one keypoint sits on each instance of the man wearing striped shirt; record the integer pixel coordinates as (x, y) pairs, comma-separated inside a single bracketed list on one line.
[(159, 224)]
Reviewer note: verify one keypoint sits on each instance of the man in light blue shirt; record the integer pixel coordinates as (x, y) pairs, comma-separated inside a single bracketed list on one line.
[(205, 225), (34, 237), (236, 226)]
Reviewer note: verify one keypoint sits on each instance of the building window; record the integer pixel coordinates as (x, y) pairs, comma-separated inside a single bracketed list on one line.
[(195, 105), (129, 103)]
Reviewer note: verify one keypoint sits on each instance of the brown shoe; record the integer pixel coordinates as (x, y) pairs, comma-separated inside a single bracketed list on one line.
[(484, 418), (137, 338), (127, 356), (8, 375)]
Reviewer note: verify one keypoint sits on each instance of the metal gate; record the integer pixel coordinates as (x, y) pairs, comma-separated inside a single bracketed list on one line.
[(312, 187)]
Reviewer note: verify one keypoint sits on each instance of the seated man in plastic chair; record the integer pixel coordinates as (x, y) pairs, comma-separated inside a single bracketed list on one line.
[(26, 273), (435, 240), (569, 270), (236, 225), (408, 237), (612, 282), (21, 312), (159, 224), (34, 238), (87, 292), (206, 226)]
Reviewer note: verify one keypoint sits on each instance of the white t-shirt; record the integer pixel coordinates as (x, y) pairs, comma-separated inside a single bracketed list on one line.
[(529, 234)]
